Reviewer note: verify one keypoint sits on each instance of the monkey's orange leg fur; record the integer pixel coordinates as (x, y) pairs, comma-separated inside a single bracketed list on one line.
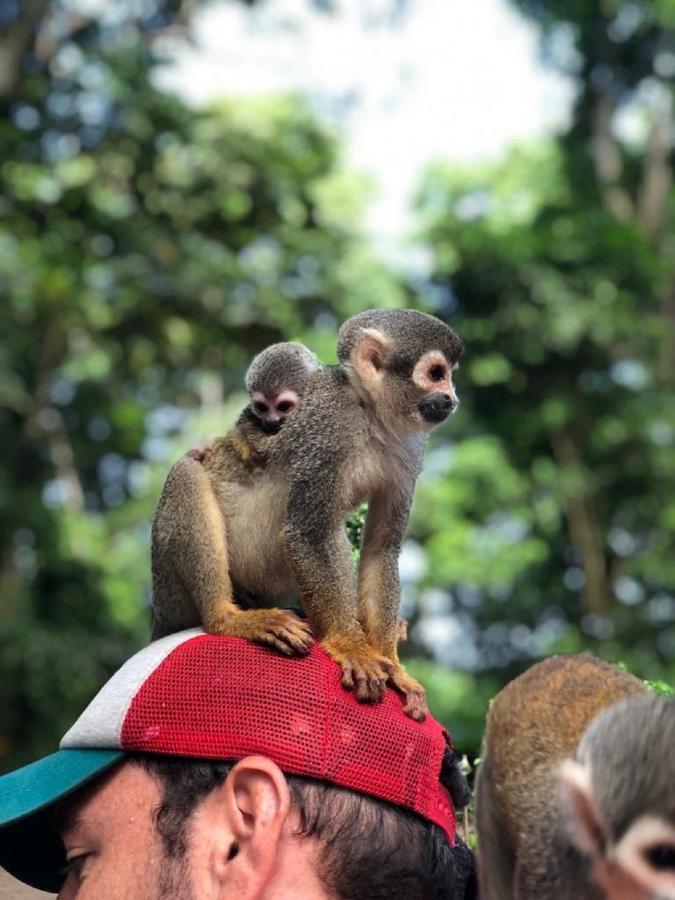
[(363, 670)]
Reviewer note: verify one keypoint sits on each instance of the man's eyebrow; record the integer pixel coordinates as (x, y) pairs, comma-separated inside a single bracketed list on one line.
[(67, 819)]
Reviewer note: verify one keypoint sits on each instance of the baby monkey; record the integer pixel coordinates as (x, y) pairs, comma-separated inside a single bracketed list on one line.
[(275, 381), (575, 797)]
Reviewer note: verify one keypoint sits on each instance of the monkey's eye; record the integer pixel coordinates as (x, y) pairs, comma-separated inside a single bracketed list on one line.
[(261, 407), (437, 373), (285, 406), (661, 857)]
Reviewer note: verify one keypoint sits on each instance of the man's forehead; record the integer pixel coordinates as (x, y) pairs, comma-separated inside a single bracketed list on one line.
[(94, 804), (78, 813)]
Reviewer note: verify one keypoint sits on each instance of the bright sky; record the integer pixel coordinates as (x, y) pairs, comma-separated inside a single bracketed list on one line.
[(450, 79)]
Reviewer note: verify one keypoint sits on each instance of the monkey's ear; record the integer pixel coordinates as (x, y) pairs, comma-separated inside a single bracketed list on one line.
[(369, 356), (583, 820)]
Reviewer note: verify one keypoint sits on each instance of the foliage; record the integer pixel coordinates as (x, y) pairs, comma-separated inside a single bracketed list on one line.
[(147, 251), (547, 523)]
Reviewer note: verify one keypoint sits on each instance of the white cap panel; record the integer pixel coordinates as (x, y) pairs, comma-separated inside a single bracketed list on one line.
[(100, 725)]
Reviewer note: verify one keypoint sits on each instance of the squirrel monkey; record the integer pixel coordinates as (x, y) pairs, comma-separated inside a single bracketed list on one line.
[(203, 494), (357, 435), (575, 795)]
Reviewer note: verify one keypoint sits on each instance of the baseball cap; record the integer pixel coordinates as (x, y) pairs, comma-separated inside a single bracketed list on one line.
[(198, 695)]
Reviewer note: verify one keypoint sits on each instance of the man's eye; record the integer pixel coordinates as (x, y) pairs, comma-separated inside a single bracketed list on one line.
[(437, 373), (74, 865)]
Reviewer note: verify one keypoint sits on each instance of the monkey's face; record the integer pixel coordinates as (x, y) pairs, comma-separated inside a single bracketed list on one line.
[(641, 865), (273, 408), (637, 863), (415, 396), (411, 394), (432, 376)]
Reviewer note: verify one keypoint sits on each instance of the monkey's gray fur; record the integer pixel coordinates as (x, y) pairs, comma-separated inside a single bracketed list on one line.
[(630, 749), (413, 331)]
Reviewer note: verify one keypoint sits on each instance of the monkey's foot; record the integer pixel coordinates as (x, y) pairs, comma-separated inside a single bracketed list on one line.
[(277, 628), (415, 696), (363, 670)]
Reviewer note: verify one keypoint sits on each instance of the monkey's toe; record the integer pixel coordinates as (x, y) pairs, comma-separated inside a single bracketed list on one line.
[(363, 670), (298, 635), (367, 681), (298, 644), (415, 697), (198, 453), (276, 628), (416, 707), (276, 643)]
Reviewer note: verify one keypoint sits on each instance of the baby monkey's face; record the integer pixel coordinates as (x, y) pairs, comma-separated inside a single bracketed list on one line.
[(273, 408)]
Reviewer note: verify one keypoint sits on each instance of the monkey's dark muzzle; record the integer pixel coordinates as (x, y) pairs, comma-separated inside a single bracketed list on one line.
[(270, 427), (436, 408)]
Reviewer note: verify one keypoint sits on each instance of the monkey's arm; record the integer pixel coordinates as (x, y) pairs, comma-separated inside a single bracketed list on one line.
[(379, 591), (191, 580), (320, 554)]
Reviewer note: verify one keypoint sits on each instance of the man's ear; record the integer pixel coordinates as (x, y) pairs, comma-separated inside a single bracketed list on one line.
[(369, 356), (246, 816), (584, 822)]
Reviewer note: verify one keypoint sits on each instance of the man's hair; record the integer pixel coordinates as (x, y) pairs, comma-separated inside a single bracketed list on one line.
[(371, 850)]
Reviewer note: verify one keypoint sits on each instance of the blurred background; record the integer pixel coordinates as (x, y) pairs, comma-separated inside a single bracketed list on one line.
[(184, 182)]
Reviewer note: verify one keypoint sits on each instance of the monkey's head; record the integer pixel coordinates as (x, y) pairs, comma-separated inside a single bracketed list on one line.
[(402, 361), (619, 798), (276, 380)]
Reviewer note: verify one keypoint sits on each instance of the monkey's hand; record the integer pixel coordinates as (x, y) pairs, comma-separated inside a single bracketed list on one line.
[(277, 628), (415, 697), (363, 669), (199, 453)]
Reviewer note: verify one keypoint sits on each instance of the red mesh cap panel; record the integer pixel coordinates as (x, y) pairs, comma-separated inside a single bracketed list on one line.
[(225, 698)]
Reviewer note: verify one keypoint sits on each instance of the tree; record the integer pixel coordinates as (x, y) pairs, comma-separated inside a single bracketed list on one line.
[(551, 524), (147, 252)]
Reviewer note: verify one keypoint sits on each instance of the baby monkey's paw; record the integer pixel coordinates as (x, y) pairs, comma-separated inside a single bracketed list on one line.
[(363, 669), (415, 697), (277, 628), (198, 453)]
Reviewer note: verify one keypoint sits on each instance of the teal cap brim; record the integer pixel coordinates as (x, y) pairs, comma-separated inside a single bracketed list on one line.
[(30, 846)]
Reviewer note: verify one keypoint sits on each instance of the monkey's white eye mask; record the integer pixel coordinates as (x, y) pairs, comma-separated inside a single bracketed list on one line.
[(273, 409), (645, 853)]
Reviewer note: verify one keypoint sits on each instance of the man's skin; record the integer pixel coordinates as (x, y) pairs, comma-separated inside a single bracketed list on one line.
[(241, 841)]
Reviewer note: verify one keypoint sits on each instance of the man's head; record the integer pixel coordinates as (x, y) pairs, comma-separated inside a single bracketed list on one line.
[(224, 784), (160, 827)]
